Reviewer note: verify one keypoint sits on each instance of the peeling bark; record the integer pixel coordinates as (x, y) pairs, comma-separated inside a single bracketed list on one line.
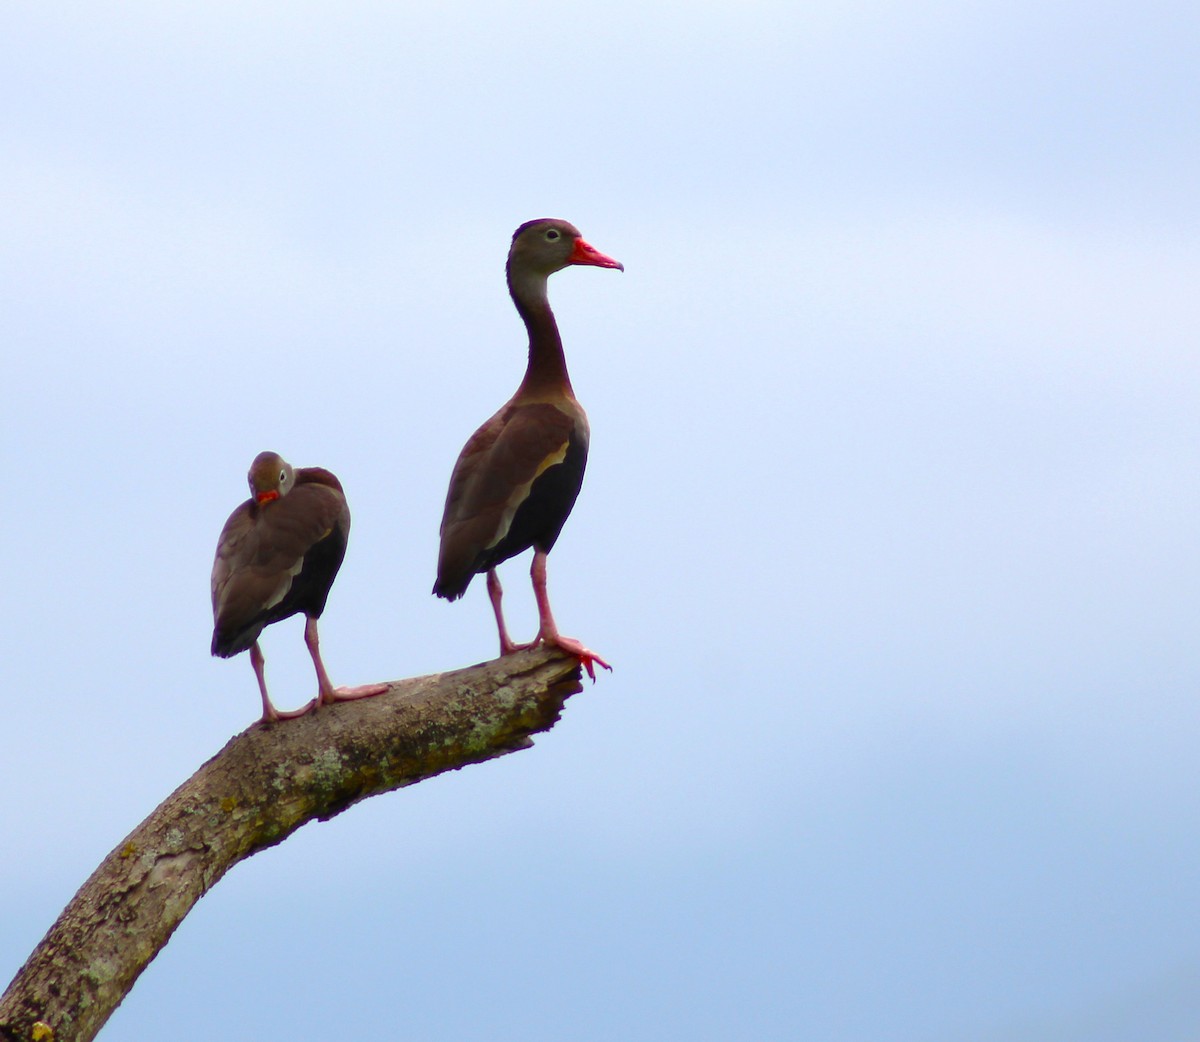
[(267, 782)]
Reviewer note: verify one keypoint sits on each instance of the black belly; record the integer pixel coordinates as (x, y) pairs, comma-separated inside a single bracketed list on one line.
[(540, 519), (308, 593)]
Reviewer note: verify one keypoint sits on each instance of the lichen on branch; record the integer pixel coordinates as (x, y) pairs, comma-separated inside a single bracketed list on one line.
[(266, 783)]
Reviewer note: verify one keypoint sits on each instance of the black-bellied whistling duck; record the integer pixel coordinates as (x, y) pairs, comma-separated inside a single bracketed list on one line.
[(277, 556), (516, 479)]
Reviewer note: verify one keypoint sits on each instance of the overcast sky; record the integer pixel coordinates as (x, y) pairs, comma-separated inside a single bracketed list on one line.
[(889, 527)]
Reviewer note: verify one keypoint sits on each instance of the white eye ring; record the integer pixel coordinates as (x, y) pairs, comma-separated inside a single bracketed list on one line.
[(282, 476), (552, 234)]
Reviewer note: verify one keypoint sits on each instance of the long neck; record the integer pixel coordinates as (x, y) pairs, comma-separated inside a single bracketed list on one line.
[(547, 368)]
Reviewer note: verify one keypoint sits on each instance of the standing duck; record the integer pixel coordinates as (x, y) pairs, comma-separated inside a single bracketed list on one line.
[(516, 479), (278, 555)]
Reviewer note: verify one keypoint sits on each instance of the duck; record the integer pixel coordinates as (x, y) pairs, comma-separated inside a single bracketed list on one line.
[(277, 556), (517, 478)]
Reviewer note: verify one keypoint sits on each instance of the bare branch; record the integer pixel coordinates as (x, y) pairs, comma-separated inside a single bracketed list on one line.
[(267, 782)]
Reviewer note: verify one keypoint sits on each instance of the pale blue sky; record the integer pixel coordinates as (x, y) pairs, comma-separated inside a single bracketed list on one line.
[(889, 526)]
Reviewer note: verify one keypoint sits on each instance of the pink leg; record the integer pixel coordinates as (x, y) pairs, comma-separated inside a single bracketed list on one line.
[(496, 594), (327, 694), (548, 631), (269, 711)]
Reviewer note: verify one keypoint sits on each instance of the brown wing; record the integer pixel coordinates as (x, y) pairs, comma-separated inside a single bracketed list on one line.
[(491, 480), (260, 551)]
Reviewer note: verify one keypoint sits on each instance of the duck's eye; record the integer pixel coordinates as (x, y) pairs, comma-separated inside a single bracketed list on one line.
[(283, 477), (552, 234)]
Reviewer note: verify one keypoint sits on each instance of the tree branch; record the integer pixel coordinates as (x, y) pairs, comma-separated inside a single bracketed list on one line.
[(267, 782)]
